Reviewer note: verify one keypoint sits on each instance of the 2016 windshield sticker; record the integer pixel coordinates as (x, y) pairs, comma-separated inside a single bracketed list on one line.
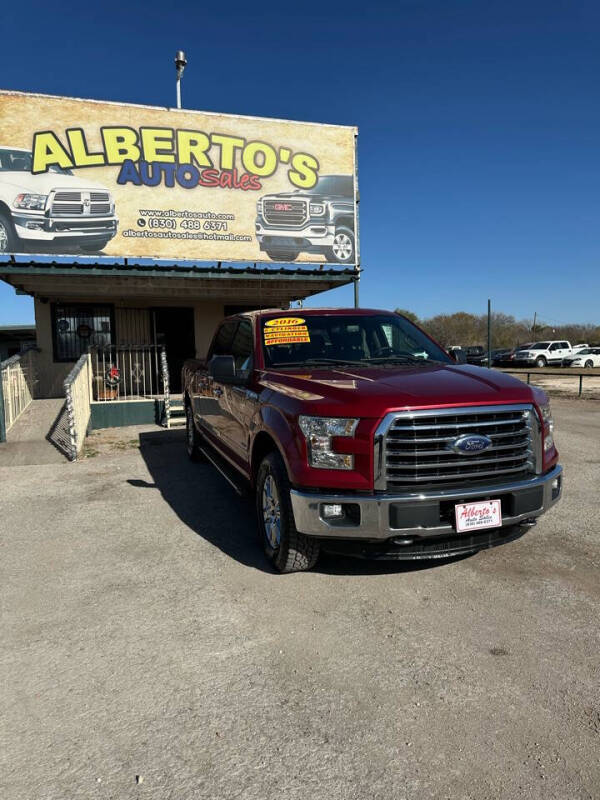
[(286, 330)]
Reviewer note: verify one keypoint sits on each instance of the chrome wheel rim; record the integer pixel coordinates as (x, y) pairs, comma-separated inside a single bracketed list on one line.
[(3, 238), (271, 512), (342, 246)]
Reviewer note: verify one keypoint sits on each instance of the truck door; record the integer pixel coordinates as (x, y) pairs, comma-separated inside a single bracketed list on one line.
[(208, 411), (242, 401)]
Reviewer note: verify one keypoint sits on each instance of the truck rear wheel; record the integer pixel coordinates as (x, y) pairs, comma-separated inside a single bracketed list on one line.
[(8, 237), (287, 549)]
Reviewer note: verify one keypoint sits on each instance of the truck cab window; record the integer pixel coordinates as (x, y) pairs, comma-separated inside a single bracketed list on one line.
[(241, 348), (223, 340)]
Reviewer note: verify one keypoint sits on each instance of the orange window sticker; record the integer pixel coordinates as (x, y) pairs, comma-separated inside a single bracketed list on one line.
[(286, 330), (284, 322)]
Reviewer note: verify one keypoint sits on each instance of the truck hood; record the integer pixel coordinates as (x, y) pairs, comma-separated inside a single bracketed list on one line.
[(372, 391), (45, 182), (299, 195)]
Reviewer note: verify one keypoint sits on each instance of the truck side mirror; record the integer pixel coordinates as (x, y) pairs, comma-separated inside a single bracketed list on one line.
[(222, 369)]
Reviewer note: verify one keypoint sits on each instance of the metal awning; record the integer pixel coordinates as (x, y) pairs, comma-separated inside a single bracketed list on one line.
[(239, 285)]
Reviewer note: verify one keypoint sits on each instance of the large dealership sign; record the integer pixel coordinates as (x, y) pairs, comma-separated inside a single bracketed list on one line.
[(125, 180)]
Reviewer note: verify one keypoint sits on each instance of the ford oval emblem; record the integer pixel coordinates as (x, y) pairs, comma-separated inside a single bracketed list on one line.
[(471, 443)]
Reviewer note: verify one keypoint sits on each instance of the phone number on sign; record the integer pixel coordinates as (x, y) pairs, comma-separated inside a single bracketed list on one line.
[(186, 224)]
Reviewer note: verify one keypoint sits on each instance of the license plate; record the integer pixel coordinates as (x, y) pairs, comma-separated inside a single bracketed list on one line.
[(474, 516)]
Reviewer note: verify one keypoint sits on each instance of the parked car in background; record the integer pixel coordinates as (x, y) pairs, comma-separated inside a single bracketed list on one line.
[(359, 435), (588, 357), (543, 354), (499, 356), (508, 359), (578, 347), (471, 354)]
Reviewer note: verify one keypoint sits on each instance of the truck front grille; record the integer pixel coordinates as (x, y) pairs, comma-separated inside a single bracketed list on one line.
[(415, 449), (80, 204), (288, 213)]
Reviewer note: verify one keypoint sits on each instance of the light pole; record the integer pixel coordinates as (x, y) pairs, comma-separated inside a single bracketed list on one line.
[(180, 64)]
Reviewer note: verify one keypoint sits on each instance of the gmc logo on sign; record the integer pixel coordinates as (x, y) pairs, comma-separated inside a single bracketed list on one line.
[(282, 207)]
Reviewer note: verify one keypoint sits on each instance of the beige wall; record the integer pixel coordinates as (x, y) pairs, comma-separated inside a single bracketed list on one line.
[(132, 319)]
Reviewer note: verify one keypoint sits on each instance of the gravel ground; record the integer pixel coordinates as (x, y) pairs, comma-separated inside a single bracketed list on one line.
[(150, 652)]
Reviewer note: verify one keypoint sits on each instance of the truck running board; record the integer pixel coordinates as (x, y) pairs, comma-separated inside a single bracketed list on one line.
[(221, 465)]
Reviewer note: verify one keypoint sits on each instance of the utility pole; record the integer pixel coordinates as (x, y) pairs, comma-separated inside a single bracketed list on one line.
[(534, 319), (180, 64), (356, 283), (489, 347)]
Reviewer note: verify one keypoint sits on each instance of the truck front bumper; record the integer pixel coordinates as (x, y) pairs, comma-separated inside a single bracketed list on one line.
[(39, 227), (314, 234), (413, 519)]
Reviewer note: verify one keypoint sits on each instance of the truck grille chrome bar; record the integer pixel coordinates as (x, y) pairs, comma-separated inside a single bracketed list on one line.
[(291, 213), (414, 449), (79, 204)]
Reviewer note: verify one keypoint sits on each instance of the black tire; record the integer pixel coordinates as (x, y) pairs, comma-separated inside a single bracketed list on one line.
[(589, 363), (192, 437), (283, 255), (343, 249), (540, 362), (293, 552), (94, 248), (9, 241)]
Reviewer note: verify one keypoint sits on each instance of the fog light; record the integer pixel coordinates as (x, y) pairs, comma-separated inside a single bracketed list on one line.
[(556, 487), (35, 226), (333, 510)]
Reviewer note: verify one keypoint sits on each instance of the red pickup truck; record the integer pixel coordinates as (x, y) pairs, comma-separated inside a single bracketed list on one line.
[(358, 434)]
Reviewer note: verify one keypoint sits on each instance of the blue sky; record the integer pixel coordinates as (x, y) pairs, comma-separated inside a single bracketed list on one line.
[(479, 125)]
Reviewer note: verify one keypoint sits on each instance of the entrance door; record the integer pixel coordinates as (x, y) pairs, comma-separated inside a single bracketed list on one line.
[(174, 328)]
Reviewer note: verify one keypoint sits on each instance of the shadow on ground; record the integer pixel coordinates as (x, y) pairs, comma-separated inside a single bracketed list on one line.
[(205, 502)]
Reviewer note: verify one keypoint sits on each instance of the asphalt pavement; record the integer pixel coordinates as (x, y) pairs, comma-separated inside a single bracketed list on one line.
[(150, 651)]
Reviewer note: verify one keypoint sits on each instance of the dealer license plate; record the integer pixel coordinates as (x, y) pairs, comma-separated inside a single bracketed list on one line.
[(474, 516)]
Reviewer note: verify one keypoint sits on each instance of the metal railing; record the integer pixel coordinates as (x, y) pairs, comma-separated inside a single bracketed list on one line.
[(559, 372), (18, 387), (166, 392), (78, 391), (127, 372)]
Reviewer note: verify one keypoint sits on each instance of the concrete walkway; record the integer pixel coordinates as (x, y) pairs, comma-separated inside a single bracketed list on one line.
[(26, 443)]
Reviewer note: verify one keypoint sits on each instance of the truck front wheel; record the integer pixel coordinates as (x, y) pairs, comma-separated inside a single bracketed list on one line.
[(287, 549), (540, 362), (283, 255), (343, 248), (8, 237)]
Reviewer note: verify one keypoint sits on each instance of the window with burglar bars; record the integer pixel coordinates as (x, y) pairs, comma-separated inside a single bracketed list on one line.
[(75, 328)]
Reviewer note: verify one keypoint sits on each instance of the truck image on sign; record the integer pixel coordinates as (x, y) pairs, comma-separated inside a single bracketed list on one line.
[(318, 220), (358, 434), (51, 211)]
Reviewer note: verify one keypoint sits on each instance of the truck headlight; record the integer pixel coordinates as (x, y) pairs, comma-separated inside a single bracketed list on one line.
[(548, 427), (259, 207), (317, 209), (32, 201), (318, 432)]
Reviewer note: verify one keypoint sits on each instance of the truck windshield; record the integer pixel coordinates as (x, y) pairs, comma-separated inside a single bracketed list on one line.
[(332, 339), (20, 161), (342, 185)]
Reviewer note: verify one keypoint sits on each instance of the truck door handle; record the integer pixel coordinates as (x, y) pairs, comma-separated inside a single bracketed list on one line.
[(218, 392)]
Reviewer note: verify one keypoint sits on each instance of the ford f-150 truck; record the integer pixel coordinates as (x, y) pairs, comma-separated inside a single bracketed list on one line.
[(360, 435)]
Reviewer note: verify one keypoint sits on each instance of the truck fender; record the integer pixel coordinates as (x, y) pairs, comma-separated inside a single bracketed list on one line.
[(275, 425)]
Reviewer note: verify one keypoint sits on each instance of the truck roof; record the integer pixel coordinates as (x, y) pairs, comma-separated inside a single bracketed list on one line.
[(310, 312)]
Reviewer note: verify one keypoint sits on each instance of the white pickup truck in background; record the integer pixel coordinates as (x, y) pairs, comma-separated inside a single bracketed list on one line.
[(543, 354), (51, 212)]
